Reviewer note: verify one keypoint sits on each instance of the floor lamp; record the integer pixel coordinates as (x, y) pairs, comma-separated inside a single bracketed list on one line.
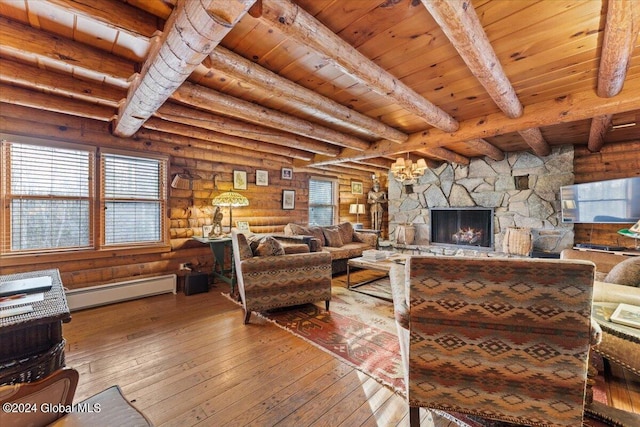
[(232, 200)]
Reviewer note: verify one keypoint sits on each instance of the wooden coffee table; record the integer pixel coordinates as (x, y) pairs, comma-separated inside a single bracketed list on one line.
[(383, 265)]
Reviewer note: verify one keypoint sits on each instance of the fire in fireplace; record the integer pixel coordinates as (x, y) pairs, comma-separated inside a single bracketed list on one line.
[(462, 227)]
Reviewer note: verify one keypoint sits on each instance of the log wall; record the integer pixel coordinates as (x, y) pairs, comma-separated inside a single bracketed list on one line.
[(613, 161), (188, 210)]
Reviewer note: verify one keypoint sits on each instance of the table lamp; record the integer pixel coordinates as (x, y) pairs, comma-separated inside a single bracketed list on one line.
[(232, 200), (357, 208)]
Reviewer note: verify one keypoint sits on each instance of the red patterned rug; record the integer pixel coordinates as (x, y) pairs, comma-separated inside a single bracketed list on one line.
[(360, 331)]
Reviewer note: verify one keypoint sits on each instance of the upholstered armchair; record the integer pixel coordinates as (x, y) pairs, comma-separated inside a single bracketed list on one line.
[(273, 281), (501, 338)]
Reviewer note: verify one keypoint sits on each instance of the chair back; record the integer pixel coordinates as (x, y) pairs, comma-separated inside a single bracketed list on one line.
[(501, 338), (41, 402)]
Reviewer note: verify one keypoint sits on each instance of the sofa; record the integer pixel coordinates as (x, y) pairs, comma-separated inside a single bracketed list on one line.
[(341, 241), (269, 278), (617, 281)]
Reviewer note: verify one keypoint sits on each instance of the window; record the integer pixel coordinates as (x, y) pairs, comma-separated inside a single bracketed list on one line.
[(52, 197), (133, 201), (323, 205), (49, 197)]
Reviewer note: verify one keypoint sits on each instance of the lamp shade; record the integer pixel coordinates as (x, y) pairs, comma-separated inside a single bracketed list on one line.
[(230, 198), (356, 208)]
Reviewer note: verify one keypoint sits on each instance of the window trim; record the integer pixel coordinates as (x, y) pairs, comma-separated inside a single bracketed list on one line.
[(334, 197), (97, 249)]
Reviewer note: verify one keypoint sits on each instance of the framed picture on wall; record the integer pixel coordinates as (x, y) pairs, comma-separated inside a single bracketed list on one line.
[(243, 226), (287, 173), (262, 178), (288, 199), (206, 230), (356, 187), (239, 180)]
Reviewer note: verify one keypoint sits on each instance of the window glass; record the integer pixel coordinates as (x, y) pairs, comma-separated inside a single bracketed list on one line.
[(132, 193), (322, 202), (49, 192)]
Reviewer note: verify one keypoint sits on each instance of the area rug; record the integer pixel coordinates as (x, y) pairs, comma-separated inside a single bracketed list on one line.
[(360, 331)]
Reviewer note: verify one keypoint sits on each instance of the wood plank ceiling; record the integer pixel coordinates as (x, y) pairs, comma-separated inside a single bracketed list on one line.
[(353, 83)]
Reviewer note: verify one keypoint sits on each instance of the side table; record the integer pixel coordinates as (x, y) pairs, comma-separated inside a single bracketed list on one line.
[(620, 345), (32, 343), (218, 248)]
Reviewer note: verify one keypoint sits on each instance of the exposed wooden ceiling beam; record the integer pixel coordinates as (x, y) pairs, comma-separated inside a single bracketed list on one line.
[(181, 114), (57, 53), (563, 109), (486, 148), (599, 127), (40, 100), (247, 145), (59, 84), (297, 23), (444, 154), (63, 127), (193, 30), (533, 137), (212, 100), (324, 108), (459, 21), (620, 33), (128, 17)]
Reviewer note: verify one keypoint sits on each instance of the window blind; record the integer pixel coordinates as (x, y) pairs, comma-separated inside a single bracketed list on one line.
[(321, 202), (133, 195), (49, 195)]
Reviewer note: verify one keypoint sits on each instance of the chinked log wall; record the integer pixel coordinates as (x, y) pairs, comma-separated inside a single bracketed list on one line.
[(187, 210), (612, 162)]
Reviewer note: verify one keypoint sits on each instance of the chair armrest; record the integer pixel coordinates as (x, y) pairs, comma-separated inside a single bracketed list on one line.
[(612, 292), (298, 238), (370, 239)]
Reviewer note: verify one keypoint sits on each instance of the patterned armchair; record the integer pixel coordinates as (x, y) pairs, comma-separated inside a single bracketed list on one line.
[(504, 339), (273, 281)]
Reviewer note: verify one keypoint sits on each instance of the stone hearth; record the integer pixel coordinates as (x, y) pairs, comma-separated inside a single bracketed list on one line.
[(523, 189)]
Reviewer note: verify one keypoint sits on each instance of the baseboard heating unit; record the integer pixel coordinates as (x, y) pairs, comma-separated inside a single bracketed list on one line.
[(94, 296)]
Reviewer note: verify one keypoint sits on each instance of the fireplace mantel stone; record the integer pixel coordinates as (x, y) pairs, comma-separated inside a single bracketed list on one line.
[(492, 184)]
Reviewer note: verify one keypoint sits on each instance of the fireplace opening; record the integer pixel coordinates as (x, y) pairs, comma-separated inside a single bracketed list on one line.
[(462, 227)]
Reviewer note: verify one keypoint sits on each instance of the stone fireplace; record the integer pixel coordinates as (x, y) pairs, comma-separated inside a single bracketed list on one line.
[(462, 227), (522, 190)]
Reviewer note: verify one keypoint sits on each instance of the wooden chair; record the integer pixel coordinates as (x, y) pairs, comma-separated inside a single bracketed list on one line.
[(49, 402), (28, 399), (500, 338)]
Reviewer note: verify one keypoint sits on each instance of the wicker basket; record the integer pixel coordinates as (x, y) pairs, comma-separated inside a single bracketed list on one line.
[(517, 241), (34, 367)]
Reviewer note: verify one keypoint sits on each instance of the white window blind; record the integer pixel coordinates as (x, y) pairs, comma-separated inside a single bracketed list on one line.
[(322, 205), (134, 199), (49, 195)]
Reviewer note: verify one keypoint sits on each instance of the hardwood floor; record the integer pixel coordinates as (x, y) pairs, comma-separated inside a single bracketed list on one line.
[(189, 360)]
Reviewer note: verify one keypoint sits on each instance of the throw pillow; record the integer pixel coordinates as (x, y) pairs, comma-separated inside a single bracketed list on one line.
[(332, 237), (318, 234), (346, 232), (625, 273), (254, 241), (298, 230), (269, 246), (244, 250)]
